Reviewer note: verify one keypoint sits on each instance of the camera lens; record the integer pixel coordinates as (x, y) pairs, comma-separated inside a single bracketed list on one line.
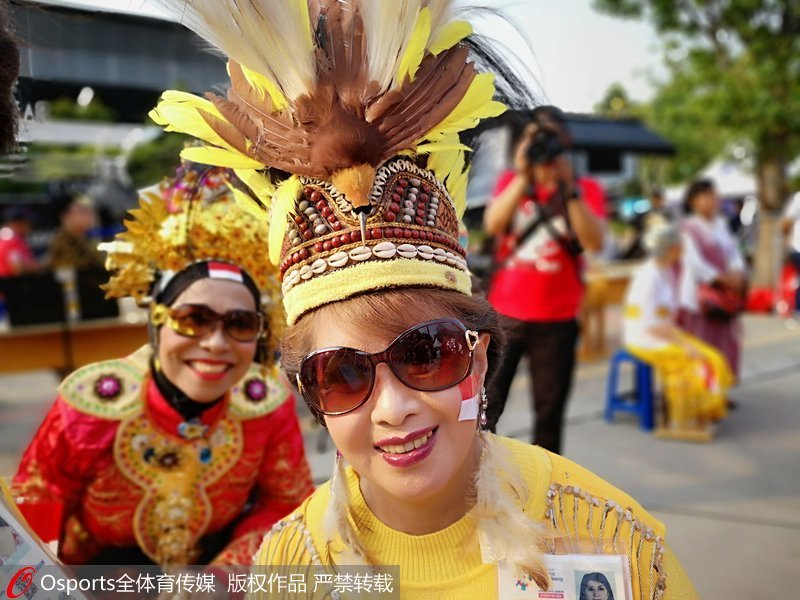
[(545, 147)]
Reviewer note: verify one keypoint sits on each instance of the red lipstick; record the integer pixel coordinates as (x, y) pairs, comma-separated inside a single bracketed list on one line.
[(412, 457)]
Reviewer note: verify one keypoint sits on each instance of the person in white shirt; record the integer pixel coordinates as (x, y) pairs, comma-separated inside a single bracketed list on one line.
[(695, 377), (790, 226), (711, 256)]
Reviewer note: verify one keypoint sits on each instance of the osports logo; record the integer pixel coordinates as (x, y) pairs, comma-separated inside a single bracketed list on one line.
[(21, 579)]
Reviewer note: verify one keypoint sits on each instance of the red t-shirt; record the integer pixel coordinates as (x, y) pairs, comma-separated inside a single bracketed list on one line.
[(542, 282), (14, 252)]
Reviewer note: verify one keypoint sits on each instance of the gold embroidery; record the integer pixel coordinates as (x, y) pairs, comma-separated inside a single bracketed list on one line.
[(174, 474), (567, 536), (79, 389), (242, 404)]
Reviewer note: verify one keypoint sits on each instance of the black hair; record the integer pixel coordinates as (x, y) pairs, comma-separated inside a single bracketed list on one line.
[(696, 188), (9, 71), (62, 201), (553, 113), (195, 272), (510, 88), (599, 578)]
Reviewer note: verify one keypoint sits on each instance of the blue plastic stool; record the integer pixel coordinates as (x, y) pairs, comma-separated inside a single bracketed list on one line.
[(640, 400)]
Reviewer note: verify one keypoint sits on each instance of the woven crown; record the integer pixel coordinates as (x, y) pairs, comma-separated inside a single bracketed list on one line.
[(190, 218), (343, 118)]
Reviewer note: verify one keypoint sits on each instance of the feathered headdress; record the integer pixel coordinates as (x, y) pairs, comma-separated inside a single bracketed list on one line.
[(343, 116)]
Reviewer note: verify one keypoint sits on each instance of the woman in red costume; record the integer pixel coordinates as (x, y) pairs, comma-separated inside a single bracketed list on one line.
[(186, 451)]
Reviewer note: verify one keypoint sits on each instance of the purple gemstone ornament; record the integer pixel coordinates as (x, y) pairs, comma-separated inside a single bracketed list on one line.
[(255, 390), (108, 387)]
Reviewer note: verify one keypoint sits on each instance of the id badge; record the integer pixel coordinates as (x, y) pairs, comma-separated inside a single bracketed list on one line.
[(572, 576)]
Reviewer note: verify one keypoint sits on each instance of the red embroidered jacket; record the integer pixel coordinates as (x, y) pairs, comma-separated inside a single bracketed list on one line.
[(129, 471)]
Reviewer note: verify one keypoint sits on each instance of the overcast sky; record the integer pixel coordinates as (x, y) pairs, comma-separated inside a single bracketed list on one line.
[(576, 52)]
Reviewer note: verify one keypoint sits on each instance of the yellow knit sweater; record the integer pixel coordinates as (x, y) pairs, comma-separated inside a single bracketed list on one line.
[(579, 508)]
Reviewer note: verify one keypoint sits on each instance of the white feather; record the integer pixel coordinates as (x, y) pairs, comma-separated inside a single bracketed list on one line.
[(388, 25), (336, 523), (441, 14), (505, 531), (270, 37)]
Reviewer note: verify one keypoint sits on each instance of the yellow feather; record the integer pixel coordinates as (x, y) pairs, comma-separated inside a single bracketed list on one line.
[(260, 186), (220, 157), (477, 104), (283, 201), (246, 202), (415, 49), (457, 183), (259, 183), (263, 85), (305, 23), (177, 111), (441, 146), (442, 164), (458, 190), (449, 36)]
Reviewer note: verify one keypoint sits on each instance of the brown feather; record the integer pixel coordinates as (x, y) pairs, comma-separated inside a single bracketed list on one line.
[(235, 116), (226, 131), (343, 54), (274, 148), (424, 116), (436, 77), (428, 100), (259, 111), (438, 70), (243, 94), (344, 140)]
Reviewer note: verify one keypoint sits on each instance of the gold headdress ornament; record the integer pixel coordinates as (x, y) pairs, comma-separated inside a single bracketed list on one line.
[(361, 102), (191, 218)]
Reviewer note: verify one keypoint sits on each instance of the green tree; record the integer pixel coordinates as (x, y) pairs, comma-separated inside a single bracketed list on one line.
[(680, 116), (739, 63), (615, 103), (149, 163), (66, 108)]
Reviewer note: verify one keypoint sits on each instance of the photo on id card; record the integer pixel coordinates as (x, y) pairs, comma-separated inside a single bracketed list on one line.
[(573, 577)]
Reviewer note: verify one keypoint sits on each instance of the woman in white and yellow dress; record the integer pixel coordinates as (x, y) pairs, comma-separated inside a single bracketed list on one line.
[(695, 376)]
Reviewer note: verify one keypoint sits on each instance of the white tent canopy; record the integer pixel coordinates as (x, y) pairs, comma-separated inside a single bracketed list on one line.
[(733, 179)]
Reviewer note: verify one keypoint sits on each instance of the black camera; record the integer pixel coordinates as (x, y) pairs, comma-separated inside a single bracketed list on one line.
[(545, 147)]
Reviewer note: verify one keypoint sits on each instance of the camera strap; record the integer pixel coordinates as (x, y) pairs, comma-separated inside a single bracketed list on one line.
[(545, 213)]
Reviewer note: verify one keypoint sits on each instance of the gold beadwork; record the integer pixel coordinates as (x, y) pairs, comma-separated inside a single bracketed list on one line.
[(568, 537)]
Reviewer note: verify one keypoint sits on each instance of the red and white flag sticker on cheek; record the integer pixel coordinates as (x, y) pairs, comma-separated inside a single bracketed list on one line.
[(219, 270), (470, 398)]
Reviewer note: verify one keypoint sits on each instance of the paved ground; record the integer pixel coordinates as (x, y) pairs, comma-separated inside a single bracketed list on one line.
[(732, 507)]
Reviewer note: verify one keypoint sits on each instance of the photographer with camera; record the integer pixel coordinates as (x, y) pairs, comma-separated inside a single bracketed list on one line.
[(543, 217)]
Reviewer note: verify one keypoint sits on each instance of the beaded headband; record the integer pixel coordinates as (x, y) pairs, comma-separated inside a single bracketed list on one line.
[(343, 118)]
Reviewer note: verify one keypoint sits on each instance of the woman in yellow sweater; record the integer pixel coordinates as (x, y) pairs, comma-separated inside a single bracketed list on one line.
[(426, 488), (345, 116)]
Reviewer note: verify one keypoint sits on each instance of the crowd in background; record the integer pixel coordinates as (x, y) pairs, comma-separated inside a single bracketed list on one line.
[(682, 311)]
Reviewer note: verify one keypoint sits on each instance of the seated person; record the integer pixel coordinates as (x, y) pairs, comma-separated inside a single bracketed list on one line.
[(696, 377)]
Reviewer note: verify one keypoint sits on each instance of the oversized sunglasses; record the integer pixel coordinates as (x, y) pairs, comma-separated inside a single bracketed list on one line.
[(198, 320), (429, 357)]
